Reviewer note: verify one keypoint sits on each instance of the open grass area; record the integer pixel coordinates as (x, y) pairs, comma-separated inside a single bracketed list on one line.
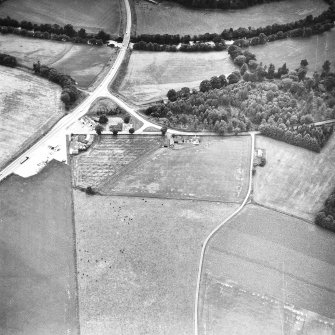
[(109, 156), (91, 15), (316, 49), (277, 260), (82, 62), (37, 254), (171, 18), (30, 106), (216, 170), (294, 180), (138, 262), (150, 75)]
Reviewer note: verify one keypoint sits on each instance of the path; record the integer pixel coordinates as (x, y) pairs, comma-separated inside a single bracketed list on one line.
[(209, 237)]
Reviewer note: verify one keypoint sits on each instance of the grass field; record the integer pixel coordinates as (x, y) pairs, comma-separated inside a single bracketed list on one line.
[(316, 49), (91, 15), (150, 75), (172, 18), (138, 261), (109, 156), (30, 105), (216, 170), (82, 62), (295, 180), (270, 255), (37, 282)]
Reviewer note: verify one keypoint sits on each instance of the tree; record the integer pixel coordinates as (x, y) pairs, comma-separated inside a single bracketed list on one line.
[(126, 119), (172, 95), (69, 31), (89, 190), (98, 129), (115, 132), (244, 69), (240, 60), (131, 131), (326, 67), (205, 86), (164, 130), (65, 97), (304, 62), (82, 33), (103, 119), (104, 37), (271, 71), (234, 77)]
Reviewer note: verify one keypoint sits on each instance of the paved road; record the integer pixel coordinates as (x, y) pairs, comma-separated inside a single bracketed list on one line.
[(61, 127)]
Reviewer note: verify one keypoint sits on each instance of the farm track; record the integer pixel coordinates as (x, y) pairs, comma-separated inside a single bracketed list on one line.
[(212, 234)]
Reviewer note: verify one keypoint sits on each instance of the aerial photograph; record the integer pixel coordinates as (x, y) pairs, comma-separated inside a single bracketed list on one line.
[(167, 167)]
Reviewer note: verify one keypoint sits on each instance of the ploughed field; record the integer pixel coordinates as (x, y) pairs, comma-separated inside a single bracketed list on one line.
[(30, 106), (37, 254), (266, 272), (216, 170), (150, 75), (171, 18), (82, 62), (90, 15), (294, 180), (316, 49)]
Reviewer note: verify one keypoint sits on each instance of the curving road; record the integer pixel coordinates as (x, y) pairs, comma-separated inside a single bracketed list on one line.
[(68, 120), (210, 236)]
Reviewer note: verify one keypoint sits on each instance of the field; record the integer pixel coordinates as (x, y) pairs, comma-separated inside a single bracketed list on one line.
[(150, 75), (216, 170), (30, 106), (138, 261), (171, 18), (316, 49), (109, 156), (38, 285), (269, 260), (82, 62), (91, 15), (294, 180)]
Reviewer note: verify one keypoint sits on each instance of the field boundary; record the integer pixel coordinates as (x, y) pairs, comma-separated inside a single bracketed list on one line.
[(212, 234)]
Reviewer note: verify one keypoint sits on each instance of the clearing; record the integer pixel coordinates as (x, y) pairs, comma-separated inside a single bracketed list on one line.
[(171, 18), (90, 15), (109, 156), (316, 49), (150, 75), (38, 286), (215, 170), (138, 261), (30, 106), (294, 180), (262, 276), (82, 62)]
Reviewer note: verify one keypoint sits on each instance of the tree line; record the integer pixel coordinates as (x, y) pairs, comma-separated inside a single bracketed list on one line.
[(52, 31), (70, 93), (247, 36), (326, 217), (8, 60), (195, 47), (221, 4)]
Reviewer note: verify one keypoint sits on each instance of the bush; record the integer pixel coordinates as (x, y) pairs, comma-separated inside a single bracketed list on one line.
[(131, 131), (89, 190), (126, 119)]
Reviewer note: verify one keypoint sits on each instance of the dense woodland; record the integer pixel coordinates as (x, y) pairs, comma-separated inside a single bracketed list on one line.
[(326, 217), (282, 104)]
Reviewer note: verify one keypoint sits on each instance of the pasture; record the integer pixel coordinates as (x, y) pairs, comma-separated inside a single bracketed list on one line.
[(30, 106), (294, 180), (109, 156), (82, 62), (171, 18), (316, 49), (150, 75), (216, 170), (138, 262), (90, 15), (278, 261), (38, 271)]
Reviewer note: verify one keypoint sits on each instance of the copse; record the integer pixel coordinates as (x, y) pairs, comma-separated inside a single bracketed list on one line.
[(8, 60)]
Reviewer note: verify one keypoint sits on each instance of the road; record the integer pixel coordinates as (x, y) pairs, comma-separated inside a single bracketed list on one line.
[(101, 90), (210, 236)]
